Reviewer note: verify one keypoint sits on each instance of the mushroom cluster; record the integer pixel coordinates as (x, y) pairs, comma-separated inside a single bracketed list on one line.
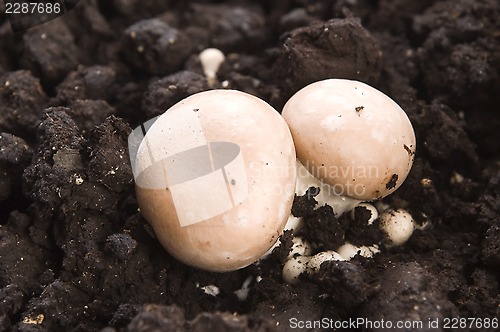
[(216, 174), (356, 145)]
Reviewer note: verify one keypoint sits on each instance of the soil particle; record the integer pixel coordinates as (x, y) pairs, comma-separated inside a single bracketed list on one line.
[(5, 184), (11, 301), (447, 140), (89, 113), (320, 225), (171, 318), (133, 10), (408, 293), (121, 245), (231, 28), (59, 299), (491, 246), (109, 160), (251, 74), (155, 47), (392, 182), (302, 303), (359, 232), (155, 317), (165, 92), (345, 282), (21, 103), (58, 134), (339, 48), (22, 260), (304, 205), (219, 322), (458, 38), (295, 19), (322, 228), (50, 52), (400, 14), (85, 227), (95, 82), (15, 155), (286, 242)]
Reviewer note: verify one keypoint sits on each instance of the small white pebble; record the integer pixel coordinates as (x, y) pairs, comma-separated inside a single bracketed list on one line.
[(293, 268), (315, 262), (398, 226)]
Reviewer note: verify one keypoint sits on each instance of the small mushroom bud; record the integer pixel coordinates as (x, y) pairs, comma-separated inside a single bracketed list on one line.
[(215, 177), (398, 226), (300, 247), (348, 250), (351, 137), (315, 262), (211, 59), (293, 268)]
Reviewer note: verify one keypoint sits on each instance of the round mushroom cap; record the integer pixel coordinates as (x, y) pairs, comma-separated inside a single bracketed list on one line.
[(215, 177), (352, 137)]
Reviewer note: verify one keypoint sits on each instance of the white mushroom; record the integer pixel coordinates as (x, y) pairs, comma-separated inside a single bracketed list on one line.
[(211, 59), (215, 177), (352, 137), (398, 226)]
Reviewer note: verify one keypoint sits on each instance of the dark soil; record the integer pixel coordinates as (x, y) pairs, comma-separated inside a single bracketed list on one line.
[(75, 253)]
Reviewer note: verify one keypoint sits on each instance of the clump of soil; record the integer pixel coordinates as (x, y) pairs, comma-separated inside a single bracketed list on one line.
[(75, 253)]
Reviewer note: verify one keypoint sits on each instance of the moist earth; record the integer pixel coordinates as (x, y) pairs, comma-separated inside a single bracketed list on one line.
[(75, 252)]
